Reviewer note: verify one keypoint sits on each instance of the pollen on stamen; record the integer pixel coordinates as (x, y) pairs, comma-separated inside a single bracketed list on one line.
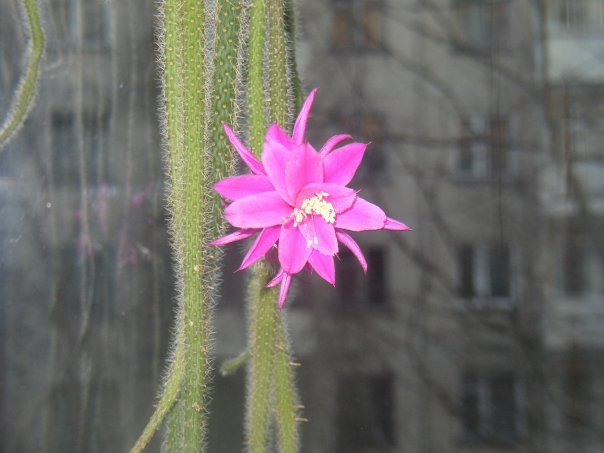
[(315, 206)]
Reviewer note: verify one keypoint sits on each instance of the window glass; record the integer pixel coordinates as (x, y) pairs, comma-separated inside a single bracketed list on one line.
[(478, 330)]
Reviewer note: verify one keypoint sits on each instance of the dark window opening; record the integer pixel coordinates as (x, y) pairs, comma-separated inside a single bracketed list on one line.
[(490, 407), (484, 145), (500, 271), (367, 128), (95, 24), (578, 384), (574, 273), (376, 276), (65, 164), (365, 412), (579, 15), (348, 277), (96, 142), (466, 271), (357, 25), (356, 289), (484, 26), (484, 271), (68, 157)]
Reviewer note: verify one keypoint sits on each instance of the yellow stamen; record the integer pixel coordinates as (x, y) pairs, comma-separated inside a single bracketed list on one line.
[(315, 206)]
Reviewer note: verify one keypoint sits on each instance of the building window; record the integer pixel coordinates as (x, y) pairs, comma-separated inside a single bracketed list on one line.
[(492, 407), (584, 125), (357, 290), (65, 164), (95, 24), (484, 148), (349, 277), (377, 283), (357, 25), (466, 272), (485, 274), (499, 271), (582, 267), (365, 412), (95, 129), (60, 31), (578, 392), (93, 31), (66, 150), (483, 25), (367, 128), (574, 272), (578, 15)]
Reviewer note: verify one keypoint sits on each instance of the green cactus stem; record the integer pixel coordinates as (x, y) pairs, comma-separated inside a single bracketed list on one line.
[(271, 392), (286, 403), (170, 57), (197, 157), (280, 78), (224, 99), (256, 98), (232, 365), (196, 292), (261, 345), (26, 90), (279, 105), (290, 31)]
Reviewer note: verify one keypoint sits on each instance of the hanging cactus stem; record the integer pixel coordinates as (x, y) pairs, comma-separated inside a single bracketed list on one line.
[(26, 90)]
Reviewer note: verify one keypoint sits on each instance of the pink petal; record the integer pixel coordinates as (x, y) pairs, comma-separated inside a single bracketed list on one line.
[(274, 134), (251, 161), (300, 126), (276, 279), (237, 187), (341, 165), (319, 235), (234, 237), (332, 142), (265, 240), (303, 167), (391, 224), (324, 266), (274, 157), (287, 278), (362, 216), (293, 252), (353, 247), (258, 211), (340, 197)]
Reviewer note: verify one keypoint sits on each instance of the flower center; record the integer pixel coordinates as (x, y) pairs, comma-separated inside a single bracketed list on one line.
[(315, 206)]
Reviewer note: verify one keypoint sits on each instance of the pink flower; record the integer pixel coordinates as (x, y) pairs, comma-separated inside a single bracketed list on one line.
[(297, 198)]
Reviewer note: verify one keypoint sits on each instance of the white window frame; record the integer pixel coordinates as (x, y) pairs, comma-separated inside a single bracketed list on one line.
[(477, 138), (581, 15), (484, 394), (482, 278)]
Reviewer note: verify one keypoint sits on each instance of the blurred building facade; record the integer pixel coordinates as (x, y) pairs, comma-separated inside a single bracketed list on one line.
[(86, 281), (478, 331), (481, 329)]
